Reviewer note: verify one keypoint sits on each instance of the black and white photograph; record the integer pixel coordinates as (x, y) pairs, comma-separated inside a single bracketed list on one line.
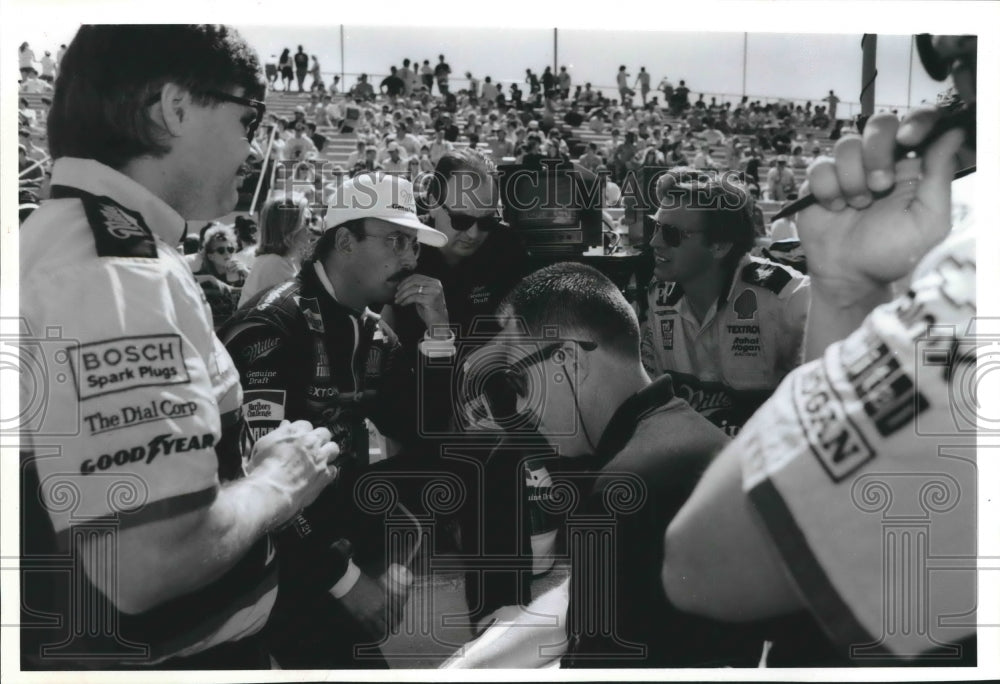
[(376, 341)]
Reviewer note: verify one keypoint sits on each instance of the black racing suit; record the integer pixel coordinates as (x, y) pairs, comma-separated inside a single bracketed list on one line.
[(304, 356), (492, 470)]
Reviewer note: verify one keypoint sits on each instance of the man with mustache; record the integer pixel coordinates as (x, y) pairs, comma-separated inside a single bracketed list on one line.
[(313, 347)]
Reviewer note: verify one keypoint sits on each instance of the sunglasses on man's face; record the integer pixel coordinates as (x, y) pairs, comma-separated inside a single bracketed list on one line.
[(672, 235), (251, 124), (464, 222), (515, 377), (224, 250)]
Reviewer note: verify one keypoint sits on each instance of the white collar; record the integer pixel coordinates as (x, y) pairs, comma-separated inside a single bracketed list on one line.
[(324, 280), (98, 179), (328, 286)]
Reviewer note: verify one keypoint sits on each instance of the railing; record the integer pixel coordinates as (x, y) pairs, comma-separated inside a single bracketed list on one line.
[(845, 109)]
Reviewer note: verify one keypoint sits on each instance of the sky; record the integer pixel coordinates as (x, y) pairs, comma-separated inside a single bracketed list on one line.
[(792, 65)]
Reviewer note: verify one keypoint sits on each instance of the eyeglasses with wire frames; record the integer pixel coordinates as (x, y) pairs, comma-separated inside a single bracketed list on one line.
[(251, 125), (400, 243)]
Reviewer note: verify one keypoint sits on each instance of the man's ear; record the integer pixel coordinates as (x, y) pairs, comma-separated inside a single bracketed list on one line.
[(344, 240), (175, 103), (574, 360)]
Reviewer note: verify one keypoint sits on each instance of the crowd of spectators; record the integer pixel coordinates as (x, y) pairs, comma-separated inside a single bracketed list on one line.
[(414, 115), (673, 420)]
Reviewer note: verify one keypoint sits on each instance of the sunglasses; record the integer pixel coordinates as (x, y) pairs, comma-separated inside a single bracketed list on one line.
[(464, 222), (260, 107), (514, 380), (224, 250), (671, 234)]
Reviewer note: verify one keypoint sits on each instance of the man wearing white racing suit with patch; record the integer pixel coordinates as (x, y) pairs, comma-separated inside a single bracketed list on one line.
[(143, 538), (726, 326), (853, 490)]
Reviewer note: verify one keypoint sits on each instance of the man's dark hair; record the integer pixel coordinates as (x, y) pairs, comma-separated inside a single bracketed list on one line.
[(577, 300), (111, 75), (328, 240), (191, 244), (245, 227), (723, 201), (453, 162)]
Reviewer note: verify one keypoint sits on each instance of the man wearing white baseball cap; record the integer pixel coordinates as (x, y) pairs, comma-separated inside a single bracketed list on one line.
[(312, 346)]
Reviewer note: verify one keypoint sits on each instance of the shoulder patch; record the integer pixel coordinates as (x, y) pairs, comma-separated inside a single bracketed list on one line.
[(311, 312), (118, 232), (773, 277), (665, 294)]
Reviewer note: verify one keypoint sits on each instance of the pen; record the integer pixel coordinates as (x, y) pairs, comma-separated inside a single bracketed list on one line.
[(964, 118)]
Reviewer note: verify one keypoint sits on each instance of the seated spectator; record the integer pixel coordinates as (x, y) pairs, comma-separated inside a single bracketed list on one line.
[(501, 145), (394, 163), (369, 163), (573, 117), (703, 158), (221, 277), (304, 179), (318, 140), (781, 181), (607, 151), (713, 136), (597, 122), (555, 146), (652, 157), (424, 159), (32, 84), (358, 155), (451, 131), (820, 118), (288, 233), (439, 146), (797, 160), (590, 160), (409, 142)]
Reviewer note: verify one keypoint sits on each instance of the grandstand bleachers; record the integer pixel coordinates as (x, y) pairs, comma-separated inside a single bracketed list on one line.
[(340, 145)]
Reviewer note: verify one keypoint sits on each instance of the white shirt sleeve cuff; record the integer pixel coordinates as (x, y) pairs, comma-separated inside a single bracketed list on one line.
[(347, 582), (435, 348)]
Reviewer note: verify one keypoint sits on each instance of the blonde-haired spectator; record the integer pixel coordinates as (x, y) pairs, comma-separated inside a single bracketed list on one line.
[(287, 231)]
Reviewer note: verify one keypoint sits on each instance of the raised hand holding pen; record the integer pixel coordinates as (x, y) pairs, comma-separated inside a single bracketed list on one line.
[(875, 216)]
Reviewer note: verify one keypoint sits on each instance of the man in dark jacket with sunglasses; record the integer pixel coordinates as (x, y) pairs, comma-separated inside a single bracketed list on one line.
[(483, 259), (726, 326)]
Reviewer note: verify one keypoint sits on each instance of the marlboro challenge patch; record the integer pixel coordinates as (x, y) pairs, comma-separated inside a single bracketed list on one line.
[(263, 411)]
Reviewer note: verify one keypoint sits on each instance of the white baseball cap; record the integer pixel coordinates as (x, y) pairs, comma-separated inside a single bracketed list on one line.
[(380, 196)]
